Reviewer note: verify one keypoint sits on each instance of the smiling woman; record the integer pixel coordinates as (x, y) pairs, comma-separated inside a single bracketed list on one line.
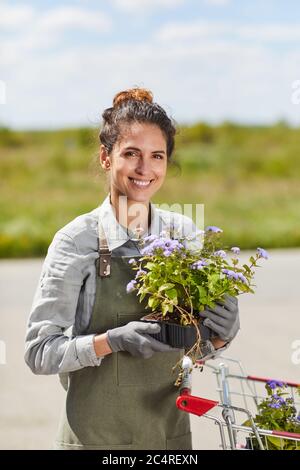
[(137, 140), (120, 391), (135, 169)]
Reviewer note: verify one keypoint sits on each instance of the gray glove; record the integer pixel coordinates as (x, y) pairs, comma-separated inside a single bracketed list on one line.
[(223, 319), (133, 338)]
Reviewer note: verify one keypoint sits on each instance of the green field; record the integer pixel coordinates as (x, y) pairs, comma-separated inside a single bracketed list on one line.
[(247, 177)]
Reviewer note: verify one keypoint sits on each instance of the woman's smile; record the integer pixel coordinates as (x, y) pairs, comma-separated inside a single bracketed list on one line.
[(140, 184)]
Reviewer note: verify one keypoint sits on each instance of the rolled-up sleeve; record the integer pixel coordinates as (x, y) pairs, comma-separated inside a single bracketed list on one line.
[(48, 349)]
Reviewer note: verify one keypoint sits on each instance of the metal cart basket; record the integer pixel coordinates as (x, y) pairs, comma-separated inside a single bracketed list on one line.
[(239, 395)]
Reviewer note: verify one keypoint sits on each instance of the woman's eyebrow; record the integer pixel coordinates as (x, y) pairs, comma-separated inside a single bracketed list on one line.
[(135, 148)]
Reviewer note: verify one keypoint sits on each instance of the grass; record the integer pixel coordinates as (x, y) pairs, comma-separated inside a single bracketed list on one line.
[(247, 178)]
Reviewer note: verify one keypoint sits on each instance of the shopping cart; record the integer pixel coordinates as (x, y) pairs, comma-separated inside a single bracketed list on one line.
[(240, 395)]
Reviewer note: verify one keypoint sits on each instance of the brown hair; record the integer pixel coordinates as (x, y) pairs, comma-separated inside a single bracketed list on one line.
[(135, 105)]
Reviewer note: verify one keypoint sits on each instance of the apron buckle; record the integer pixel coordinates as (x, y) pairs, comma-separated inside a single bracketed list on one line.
[(104, 265)]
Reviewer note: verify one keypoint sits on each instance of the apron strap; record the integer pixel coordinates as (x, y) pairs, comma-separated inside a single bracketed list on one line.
[(104, 253)]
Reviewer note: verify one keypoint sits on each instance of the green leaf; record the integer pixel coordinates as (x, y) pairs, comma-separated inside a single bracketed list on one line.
[(164, 309), (171, 293), (247, 268), (153, 302), (169, 285), (275, 441), (213, 277), (150, 265), (202, 294)]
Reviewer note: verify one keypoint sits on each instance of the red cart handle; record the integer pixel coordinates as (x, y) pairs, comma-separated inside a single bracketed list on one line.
[(195, 405)]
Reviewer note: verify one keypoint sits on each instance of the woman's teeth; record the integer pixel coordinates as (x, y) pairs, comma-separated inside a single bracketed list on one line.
[(141, 183)]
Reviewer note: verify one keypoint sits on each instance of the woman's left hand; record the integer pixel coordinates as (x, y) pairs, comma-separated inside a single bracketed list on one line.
[(223, 319)]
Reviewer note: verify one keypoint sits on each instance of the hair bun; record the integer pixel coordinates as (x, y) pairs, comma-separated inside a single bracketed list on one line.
[(139, 94)]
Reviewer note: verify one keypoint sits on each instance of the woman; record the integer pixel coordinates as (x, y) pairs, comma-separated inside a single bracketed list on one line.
[(120, 392)]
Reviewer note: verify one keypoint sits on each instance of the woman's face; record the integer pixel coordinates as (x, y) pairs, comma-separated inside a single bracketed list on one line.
[(137, 163)]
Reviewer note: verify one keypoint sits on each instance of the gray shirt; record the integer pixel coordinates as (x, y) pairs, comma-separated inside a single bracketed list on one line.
[(65, 294)]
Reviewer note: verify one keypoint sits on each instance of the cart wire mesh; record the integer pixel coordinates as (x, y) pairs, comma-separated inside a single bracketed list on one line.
[(239, 396)]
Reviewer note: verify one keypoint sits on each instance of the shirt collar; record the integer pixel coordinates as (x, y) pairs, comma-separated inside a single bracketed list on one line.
[(116, 234)]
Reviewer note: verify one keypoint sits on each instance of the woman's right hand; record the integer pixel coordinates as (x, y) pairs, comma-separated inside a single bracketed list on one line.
[(133, 338)]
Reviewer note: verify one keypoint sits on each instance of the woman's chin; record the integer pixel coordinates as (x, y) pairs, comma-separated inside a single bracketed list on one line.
[(139, 195)]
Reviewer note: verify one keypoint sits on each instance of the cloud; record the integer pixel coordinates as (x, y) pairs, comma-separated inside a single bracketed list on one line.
[(146, 5), (217, 2), (13, 17), (213, 81), (24, 19), (63, 18), (271, 32), (208, 73), (45, 29), (199, 29), (2, 92), (192, 30)]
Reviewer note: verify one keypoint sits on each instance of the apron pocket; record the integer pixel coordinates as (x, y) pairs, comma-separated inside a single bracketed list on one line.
[(180, 442), (137, 371)]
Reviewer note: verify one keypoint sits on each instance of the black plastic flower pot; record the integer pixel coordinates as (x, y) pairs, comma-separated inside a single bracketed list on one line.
[(175, 335)]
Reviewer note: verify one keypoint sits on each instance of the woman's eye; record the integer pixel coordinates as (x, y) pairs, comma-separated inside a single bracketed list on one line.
[(130, 154), (134, 154)]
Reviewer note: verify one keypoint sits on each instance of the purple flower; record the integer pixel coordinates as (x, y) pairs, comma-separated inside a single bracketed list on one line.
[(130, 286), (167, 253), (235, 250), (159, 243), (242, 278), (199, 264), (278, 399), (274, 405), (220, 253), (150, 238), (147, 250), (230, 274), (166, 244), (263, 253), (298, 417), (139, 272), (275, 383), (131, 261), (213, 228)]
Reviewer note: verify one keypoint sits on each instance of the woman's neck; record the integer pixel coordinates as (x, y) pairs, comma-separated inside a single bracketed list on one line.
[(134, 216)]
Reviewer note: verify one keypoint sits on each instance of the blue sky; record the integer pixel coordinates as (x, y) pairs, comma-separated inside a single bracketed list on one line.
[(63, 61)]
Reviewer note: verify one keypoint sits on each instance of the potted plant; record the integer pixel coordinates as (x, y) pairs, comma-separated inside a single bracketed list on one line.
[(180, 276), (277, 412)]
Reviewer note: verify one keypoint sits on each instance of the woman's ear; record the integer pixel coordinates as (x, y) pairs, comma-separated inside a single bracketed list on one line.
[(104, 158)]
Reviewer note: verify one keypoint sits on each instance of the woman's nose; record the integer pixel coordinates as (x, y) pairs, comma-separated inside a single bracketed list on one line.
[(143, 166)]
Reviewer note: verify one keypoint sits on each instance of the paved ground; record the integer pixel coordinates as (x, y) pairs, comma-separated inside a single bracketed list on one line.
[(30, 405)]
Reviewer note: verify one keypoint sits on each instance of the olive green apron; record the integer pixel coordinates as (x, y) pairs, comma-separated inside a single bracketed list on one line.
[(127, 402)]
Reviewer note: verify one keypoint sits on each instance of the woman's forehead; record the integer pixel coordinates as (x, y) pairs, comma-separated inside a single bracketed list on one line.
[(142, 135)]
